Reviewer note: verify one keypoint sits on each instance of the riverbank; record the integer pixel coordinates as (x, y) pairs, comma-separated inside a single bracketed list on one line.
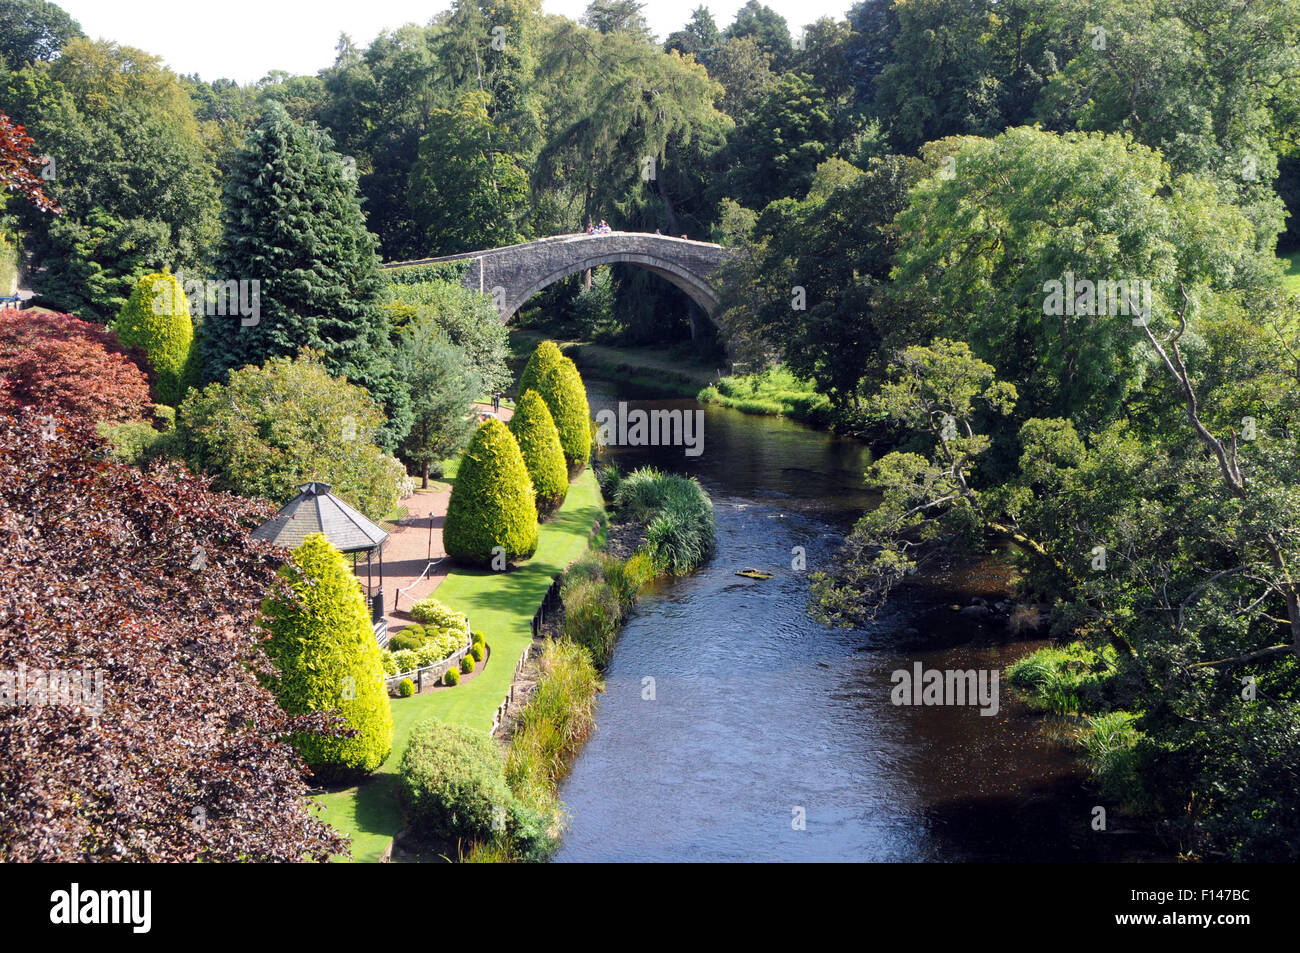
[(501, 605), (654, 369), (774, 393)]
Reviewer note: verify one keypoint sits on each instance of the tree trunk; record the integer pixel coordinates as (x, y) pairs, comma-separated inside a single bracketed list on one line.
[(424, 475), (674, 226)]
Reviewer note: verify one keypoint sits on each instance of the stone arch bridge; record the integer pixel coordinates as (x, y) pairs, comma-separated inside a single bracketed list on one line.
[(514, 273)]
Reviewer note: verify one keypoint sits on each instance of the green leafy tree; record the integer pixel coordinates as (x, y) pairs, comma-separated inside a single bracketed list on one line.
[(744, 69), (566, 397), (928, 505), (619, 104), (443, 386), (294, 225), (492, 512), (539, 442), (699, 38), (128, 167), (157, 320), (33, 30), (327, 660), (985, 249), (270, 429), (765, 25), (466, 316), (466, 191), (776, 150), (838, 246), (617, 16)]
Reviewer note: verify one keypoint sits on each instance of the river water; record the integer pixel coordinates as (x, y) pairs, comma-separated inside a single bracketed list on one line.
[(767, 736)]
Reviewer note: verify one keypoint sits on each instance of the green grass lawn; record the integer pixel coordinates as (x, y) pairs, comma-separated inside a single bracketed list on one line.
[(1293, 271), (501, 605), (775, 392)]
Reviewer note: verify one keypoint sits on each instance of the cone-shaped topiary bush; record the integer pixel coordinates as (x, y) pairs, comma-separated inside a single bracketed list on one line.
[(544, 357), (566, 397), (492, 502), (156, 319), (539, 442), (325, 652)]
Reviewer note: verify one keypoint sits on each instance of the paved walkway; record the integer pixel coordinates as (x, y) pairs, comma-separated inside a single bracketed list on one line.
[(416, 541)]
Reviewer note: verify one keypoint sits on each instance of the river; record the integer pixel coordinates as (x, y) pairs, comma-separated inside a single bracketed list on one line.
[(765, 736)]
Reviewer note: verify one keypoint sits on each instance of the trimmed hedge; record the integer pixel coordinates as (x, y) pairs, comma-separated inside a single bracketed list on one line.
[(544, 357), (566, 397), (539, 442), (467, 664), (156, 319), (452, 677), (492, 502), (326, 657)]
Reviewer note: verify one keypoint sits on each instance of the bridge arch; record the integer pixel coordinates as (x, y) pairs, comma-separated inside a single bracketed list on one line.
[(514, 273)]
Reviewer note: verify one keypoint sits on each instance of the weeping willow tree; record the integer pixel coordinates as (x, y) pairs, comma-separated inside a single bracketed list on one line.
[(627, 120)]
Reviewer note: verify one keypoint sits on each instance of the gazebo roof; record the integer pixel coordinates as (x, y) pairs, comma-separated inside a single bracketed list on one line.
[(316, 510)]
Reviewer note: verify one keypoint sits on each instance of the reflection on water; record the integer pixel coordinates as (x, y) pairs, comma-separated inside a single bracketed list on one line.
[(760, 715)]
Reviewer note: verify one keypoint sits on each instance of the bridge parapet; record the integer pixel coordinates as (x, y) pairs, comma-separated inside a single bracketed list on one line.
[(514, 273)]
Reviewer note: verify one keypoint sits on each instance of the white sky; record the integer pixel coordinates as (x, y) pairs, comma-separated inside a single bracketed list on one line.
[(245, 39)]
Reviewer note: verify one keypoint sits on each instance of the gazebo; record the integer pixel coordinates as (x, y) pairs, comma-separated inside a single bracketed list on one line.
[(316, 510)]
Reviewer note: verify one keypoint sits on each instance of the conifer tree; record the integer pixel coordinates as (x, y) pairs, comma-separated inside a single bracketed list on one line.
[(294, 225)]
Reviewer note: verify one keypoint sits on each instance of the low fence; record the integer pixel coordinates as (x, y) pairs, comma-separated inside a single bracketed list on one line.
[(550, 604), (499, 715)]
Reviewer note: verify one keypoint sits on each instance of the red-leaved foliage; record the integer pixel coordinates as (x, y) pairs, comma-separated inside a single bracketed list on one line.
[(56, 363), (151, 580), (19, 169)]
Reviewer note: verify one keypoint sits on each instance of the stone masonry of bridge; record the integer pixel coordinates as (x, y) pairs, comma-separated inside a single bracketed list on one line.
[(514, 273)]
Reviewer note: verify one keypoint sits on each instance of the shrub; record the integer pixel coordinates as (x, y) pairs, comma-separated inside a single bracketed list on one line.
[(439, 646), (477, 650), (326, 659), (401, 660), (539, 442), (56, 363), (434, 615), (270, 429), (467, 664), (136, 442), (156, 319), (608, 477), (405, 641), (566, 397), (601, 566), (480, 638), (452, 677), (453, 782), (492, 503), (544, 357), (637, 571), (406, 688)]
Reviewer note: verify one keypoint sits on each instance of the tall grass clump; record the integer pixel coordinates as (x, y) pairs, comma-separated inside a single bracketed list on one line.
[(677, 514), (1110, 742), (593, 612), (1065, 680), (552, 727)]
